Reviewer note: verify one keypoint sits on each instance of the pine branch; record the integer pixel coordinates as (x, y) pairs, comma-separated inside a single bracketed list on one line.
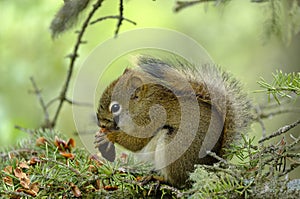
[(283, 85)]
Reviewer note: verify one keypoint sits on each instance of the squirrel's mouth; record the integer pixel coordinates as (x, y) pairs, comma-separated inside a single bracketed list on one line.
[(107, 126), (106, 130)]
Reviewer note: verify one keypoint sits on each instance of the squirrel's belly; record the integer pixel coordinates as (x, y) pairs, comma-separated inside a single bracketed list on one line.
[(153, 152)]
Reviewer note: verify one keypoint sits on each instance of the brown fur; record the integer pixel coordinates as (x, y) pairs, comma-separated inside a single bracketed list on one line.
[(223, 108)]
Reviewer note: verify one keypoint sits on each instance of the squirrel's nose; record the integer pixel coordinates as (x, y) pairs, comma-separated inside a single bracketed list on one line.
[(110, 124), (116, 122), (116, 119), (102, 124)]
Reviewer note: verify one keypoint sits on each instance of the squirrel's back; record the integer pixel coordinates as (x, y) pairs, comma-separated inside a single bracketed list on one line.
[(212, 85)]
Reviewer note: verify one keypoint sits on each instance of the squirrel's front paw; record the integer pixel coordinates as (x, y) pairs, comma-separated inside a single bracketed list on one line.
[(106, 147)]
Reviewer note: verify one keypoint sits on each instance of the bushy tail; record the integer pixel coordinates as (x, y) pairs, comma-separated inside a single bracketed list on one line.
[(238, 111)]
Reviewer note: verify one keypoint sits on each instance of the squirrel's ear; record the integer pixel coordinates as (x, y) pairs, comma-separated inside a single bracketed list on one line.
[(133, 81), (136, 84), (126, 70)]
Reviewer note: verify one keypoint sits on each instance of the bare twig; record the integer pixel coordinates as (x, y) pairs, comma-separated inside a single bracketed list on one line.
[(292, 167), (51, 102), (70, 102), (267, 104), (219, 169), (279, 111), (263, 128), (121, 9), (214, 155), (78, 103), (73, 56), (261, 114), (259, 1), (259, 119), (120, 18), (41, 100), (29, 131), (290, 157), (112, 17), (290, 146), (178, 193), (184, 4), (280, 131)]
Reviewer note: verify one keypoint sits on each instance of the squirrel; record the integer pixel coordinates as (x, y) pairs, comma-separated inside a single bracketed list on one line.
[(170, 113)]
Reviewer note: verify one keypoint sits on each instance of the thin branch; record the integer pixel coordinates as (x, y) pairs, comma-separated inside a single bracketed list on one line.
[(259, 119), (121, 9), (279, 111), (259, 1), (292, 167), (184, 4), (41, 100), (290, 146), (74, 55), (260, 115), (263, 127), (214, 155), (178, 193), (219, 169), (29, 131), (291, 156), (120, 18), (78, 103), (280, 131), (51, 102), (70, 102), (274, 104), (112, 17)]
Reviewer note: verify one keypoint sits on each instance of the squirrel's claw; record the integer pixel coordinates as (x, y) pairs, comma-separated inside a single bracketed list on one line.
[(106, 148), (100, 138)]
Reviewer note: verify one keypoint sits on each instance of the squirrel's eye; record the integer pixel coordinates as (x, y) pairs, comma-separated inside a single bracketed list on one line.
[(115, 108)]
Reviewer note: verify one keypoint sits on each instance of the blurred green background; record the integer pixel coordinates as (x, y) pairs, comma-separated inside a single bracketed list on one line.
[(233, 36)]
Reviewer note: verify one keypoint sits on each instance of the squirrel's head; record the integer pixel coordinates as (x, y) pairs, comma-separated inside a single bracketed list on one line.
[(138, 98), (141, 101)]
